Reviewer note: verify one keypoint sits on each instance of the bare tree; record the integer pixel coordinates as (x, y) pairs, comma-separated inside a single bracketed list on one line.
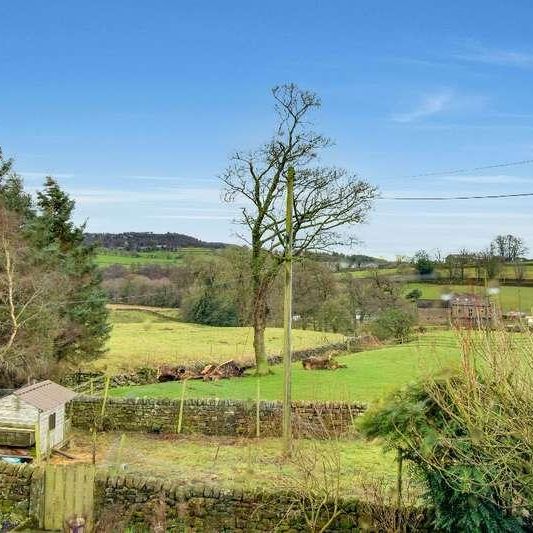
[(490, 264), (369, 296), (509, 247), (464, 260), (326, 199)]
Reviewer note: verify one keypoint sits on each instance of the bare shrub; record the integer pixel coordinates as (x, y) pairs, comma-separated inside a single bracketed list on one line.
[(314, 485), (156, 515), (380, 509), (114, 518)]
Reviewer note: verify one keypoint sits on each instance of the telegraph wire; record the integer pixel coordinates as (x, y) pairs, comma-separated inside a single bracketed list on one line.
[(464, 170), (444, 198)]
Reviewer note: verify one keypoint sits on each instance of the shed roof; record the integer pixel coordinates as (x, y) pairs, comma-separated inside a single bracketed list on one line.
[(45, 395)]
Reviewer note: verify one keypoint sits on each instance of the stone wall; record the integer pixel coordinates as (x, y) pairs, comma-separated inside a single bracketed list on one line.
[(129, 500), (214, 417), (197, 508), (16, 488)]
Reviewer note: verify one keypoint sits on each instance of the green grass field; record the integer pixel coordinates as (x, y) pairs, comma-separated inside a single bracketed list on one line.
[(131, 313), (368, 376), (142, 337), (229, 462), (510, 298), (393, 271), (508, 272), (116, 257)]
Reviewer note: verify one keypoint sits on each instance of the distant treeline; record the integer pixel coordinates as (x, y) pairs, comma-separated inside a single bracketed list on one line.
[(147, 241), (217, 290)]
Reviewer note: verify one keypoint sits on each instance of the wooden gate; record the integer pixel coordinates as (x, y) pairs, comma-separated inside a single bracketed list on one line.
[(68, 494)]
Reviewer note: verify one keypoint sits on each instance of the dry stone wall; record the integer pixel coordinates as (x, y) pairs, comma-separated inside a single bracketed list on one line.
[(124, 500), (18, 484), (214, 417), (198, 508)]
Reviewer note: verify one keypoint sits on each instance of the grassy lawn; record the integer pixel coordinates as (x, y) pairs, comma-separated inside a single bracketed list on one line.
[(510, 298), (368, 375), (141, 337), (228, 462)]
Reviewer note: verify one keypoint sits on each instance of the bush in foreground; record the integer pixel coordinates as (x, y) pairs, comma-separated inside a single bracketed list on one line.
[(468, 435)]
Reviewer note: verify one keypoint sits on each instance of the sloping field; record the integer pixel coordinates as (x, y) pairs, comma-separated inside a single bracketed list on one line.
[(117, 257), (510, 298), (368, 376), (146, 337)]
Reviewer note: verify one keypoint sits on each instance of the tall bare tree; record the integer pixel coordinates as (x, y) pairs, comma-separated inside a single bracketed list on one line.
[(509, 247), (326, 199)]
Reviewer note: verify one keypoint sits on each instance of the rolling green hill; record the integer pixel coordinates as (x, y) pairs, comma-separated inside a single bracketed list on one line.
[(147, 337), (368, 376), (107, 257)]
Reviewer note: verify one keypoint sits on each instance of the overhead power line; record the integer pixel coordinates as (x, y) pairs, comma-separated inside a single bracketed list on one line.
[(444, 198), (466, 170)]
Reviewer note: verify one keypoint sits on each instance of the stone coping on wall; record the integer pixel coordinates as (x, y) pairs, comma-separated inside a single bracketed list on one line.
[(214, 417), (266, 404)]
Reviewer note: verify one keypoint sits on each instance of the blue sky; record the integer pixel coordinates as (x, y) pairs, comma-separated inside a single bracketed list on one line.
[(136, 106)]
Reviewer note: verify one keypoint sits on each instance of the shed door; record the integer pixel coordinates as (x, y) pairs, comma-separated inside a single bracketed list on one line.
[(68, 493)]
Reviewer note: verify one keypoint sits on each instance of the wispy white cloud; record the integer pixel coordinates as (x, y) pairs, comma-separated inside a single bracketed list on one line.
[(192, 217), (42, 174), (430, 105), (165, 178), (478, 53), (155, 196)]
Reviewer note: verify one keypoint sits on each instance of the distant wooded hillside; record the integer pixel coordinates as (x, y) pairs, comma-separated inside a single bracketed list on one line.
[(147, 241)]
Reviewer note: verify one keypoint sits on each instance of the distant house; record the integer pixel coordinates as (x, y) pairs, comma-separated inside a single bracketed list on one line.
[(35, 414), (471, 310), (461, 309)]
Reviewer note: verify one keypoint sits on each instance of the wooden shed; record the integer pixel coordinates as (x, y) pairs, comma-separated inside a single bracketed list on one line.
[(35, 414)]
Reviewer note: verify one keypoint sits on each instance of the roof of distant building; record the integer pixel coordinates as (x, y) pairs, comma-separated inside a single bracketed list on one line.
[(468, 299)]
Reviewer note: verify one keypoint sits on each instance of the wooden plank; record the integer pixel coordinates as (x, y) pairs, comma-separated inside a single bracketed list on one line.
[(49, 481), (59, 500), (89, 496), (69, 492), (79, 490), (70, 484)]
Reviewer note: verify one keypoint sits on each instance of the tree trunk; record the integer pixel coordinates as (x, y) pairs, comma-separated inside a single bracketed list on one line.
[(260, 285), (259, 319)]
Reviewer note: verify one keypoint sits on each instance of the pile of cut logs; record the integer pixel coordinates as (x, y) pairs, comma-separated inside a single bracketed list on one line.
[(228, 369), (321, 363)]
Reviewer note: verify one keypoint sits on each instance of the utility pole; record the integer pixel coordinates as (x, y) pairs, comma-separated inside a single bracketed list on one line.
[(287, 318)]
